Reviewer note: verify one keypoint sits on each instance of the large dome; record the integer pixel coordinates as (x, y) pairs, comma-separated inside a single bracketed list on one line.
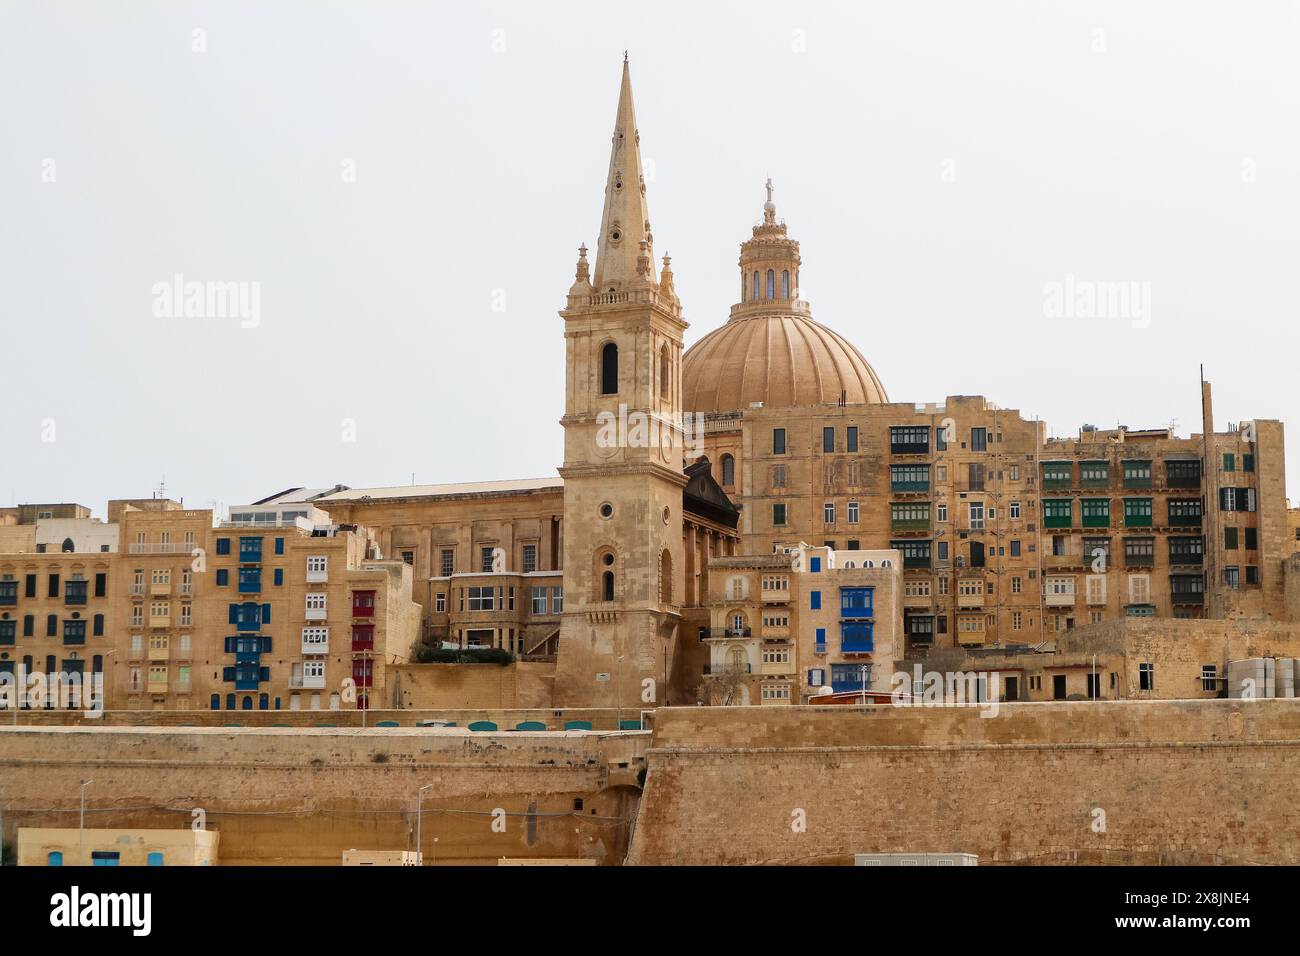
[(779, 360), (771, 350)]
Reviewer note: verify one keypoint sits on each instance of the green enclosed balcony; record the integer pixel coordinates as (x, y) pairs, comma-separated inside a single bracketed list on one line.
[(1137, 474), (1137, 512), (1094, 474), (1058, 514), (1057, 475), (1096, 512)]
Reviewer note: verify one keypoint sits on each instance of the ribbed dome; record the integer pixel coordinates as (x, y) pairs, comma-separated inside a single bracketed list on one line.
[(779, 360)]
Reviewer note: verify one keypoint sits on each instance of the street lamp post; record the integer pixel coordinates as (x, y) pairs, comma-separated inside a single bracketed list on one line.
[(419, 824), (862, 671), (81, 829)]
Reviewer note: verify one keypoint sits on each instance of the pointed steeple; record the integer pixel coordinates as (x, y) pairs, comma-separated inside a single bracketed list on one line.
[(625, 223)]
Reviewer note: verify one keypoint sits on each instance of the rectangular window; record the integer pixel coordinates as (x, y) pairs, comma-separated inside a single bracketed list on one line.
[(978, 439), (851, 438), (530, 558), (485, 559), (853, 513), (941, 511), (778, 441), (778, 514), (828, 439), (1247, 462), (1229, 462), (440, 602), (539, 599), (1230, 539), (557, 600), (815, 600), (828, 512), (480, 598), (1209, 677), (1146, 677), (447, 562), (1252, 539)]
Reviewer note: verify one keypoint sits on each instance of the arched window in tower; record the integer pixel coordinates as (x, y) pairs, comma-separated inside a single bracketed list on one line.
[(744, 288), (785, 284), (665, 577), (68, 546), (664, 382), (771, 284), (757, 293), (728, 470), (607, 586), (609, 369)]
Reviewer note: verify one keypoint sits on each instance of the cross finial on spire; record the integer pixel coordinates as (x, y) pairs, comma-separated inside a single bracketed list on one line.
[(625, 56)]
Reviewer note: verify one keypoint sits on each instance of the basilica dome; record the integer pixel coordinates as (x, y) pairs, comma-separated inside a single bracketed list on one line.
[(779, 360), (771, 350)]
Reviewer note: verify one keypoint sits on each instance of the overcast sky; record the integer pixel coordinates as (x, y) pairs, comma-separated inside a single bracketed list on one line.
[(405, 185)]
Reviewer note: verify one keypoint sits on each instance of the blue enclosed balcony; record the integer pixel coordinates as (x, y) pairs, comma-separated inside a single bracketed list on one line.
[(249, 616), (250, 580), (246, 676), (855, 602), (250, 550), (855, 637)]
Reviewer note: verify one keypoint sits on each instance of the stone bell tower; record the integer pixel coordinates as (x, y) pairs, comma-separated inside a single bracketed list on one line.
[(623, 453)]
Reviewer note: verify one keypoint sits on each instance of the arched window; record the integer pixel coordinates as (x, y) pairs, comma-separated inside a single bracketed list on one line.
[(785, 284), (230, 702), (248, 702), (607, 586), (609, 369), (757, 293), (736, 658), (728, 470), (744, 288), (771, 283), (68, 545), (663, 372), (263, 701)]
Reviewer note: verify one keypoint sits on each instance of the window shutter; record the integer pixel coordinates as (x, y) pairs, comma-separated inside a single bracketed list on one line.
[(101, 584), (279, 545), (234, 614), (263, 674), (228, 674), (266, 614), (266, 645)]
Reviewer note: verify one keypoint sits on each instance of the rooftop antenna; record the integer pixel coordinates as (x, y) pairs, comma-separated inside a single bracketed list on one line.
[(161, 492)]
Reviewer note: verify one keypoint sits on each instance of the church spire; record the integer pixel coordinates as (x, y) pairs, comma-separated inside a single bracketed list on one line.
[(625, 223)]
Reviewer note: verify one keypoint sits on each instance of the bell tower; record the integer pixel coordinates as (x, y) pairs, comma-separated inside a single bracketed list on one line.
[(623, 453)]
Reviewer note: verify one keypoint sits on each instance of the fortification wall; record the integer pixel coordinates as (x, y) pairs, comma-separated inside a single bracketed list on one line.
[(303, 796), (1208, 781)]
